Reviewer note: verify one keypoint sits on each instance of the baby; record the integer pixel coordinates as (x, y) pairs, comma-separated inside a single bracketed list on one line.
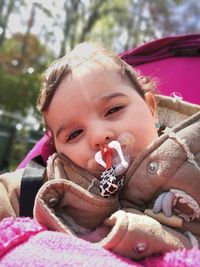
[(112, 107), (102, 118)]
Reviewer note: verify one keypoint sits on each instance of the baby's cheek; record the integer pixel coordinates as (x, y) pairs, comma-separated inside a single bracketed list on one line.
[(60, 148), (77, 157), (92, 165)]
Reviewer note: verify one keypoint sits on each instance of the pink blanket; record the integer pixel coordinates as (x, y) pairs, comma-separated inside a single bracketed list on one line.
[(24, 242)]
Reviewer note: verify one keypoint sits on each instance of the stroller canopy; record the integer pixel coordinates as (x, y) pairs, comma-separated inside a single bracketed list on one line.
[(173, 61)]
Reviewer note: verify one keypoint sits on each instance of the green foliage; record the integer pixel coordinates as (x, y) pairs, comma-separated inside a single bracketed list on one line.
[(107, 28), (18, 92), (20, 72), (21, 52)]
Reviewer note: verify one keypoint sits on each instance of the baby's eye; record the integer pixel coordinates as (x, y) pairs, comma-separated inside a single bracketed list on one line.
[(113, 110), (74, 135)]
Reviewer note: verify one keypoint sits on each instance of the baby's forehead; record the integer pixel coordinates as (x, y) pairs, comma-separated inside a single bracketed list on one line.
[(104, 62), (90, 65), (76, 62), (90, 69)]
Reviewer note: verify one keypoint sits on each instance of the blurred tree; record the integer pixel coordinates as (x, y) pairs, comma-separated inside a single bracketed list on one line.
[(30, 23), (148, 20), (19, 74), (81, 18), (140, 21), (22, 60), (7, 7), (18, 92), (124, 24), (120, 24), (13, 59)]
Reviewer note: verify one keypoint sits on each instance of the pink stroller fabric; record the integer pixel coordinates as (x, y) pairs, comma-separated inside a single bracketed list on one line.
[(42, 148), (173, 61)]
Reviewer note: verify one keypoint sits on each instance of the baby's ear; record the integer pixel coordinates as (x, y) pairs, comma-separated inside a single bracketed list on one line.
[(151, 102)]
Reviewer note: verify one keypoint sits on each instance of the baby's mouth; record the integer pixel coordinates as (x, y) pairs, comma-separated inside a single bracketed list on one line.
[(106, 159), (122, 151)]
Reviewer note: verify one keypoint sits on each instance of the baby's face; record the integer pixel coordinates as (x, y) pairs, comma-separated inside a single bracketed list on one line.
[(95, 106)]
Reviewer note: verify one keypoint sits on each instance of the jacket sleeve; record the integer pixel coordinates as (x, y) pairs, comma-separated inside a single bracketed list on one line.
[(133, 234), (10, 193)]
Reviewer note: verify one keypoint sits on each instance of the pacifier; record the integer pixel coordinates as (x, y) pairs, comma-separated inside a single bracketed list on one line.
[(109, 183)]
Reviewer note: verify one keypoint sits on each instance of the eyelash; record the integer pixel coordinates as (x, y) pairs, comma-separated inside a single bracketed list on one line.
[(76, 133), (113, 110)]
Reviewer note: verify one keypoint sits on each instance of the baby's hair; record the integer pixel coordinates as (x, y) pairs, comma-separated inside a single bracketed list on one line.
[(87, 54)]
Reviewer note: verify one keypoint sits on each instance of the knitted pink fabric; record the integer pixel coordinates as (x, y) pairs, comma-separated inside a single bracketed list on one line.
[(180, 258), (24, 242), (16, 231)]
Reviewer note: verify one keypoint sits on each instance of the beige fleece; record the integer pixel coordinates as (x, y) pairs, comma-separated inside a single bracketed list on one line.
[(10, 184)]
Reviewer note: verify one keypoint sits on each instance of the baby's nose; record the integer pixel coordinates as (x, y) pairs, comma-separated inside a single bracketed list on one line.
[(104, 140), (101, 137)]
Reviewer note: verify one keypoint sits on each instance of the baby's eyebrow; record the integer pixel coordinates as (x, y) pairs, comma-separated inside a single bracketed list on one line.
[(112, 95)]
